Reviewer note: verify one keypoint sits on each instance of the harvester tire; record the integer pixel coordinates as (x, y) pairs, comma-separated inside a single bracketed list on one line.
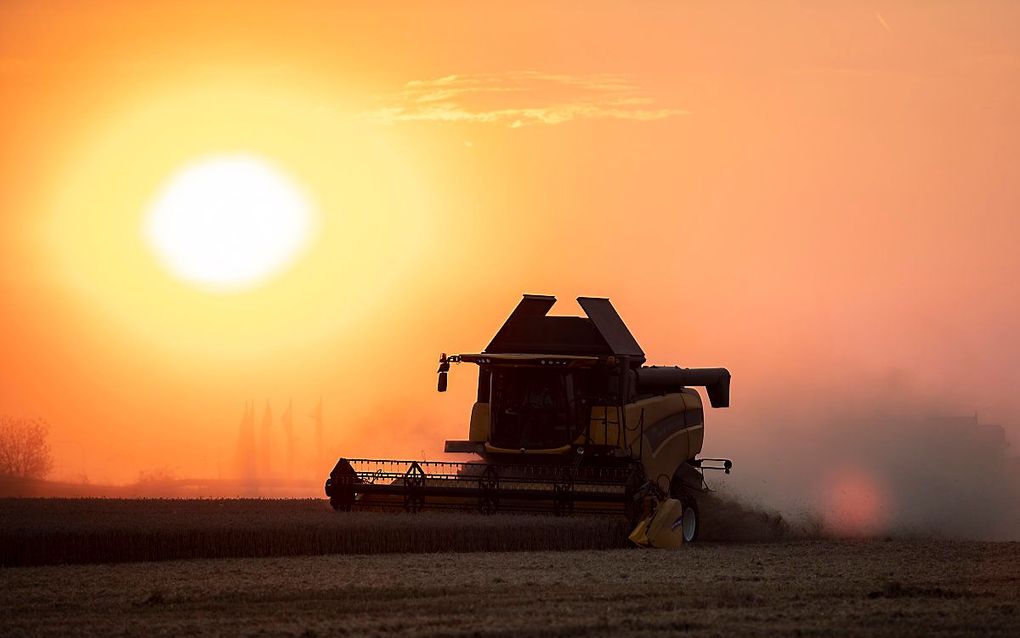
[(691, 521), (688, 481)]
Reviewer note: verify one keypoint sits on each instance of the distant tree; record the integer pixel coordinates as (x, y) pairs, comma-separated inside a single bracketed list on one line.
[(158, 476), (24, 449)]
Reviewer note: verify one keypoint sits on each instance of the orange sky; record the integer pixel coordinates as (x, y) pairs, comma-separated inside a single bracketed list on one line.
[(822, 197)]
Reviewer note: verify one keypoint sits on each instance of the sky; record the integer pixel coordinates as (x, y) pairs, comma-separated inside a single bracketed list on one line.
[(820, 196)]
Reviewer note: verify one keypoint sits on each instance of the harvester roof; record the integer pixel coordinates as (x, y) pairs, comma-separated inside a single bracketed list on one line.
[(529, 330)]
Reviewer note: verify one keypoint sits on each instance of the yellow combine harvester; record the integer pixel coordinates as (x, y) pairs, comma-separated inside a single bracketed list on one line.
[(567, 419)]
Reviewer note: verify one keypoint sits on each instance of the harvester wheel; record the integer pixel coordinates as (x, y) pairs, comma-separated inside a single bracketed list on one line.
[(339, 505), (691, 521), (688, 481)]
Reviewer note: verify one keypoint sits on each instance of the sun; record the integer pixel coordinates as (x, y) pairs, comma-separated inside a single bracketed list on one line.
[(212, 218), (227, 223)]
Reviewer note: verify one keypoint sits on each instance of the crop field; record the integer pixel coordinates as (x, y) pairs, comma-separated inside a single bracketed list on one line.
[(58, 531), (874, 588)]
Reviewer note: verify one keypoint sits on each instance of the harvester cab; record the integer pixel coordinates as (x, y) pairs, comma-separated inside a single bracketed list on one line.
[(567, 418)]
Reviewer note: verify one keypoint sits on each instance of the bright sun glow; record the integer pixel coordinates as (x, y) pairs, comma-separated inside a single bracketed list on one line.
[(228, 222)]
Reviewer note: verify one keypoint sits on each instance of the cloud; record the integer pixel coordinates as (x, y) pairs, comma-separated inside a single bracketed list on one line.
[(518, 99), (881, 21)]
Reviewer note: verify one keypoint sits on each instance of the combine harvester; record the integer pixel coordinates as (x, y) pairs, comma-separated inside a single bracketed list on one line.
[(567, 420)]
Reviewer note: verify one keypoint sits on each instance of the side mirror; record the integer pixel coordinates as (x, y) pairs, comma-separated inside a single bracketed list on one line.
[(444, 367)]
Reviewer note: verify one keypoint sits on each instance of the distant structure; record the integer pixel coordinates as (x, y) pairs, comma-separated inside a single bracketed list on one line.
[(254, 460), (266, 443), (246, 469), (966, 435), (287, 420)]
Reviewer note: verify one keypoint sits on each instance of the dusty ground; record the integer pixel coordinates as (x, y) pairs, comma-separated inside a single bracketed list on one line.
[(889, 588)]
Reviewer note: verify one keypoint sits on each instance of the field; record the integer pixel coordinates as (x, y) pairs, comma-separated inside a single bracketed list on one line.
[(804, 587), (58, 531), (466, 575)]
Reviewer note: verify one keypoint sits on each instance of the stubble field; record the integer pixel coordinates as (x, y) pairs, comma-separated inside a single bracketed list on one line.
[(805, 587)]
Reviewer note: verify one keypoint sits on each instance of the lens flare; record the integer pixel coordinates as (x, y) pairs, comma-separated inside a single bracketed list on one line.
[(855, 504)]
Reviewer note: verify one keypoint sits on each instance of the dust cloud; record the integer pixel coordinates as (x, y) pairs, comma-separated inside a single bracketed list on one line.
[(879, 461)]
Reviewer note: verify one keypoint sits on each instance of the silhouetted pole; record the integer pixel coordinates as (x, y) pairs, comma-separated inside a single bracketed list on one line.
[(246, 444), (265, 442), (288, 428)]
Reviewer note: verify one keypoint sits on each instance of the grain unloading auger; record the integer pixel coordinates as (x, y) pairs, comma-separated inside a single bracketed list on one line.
[(567, 419)]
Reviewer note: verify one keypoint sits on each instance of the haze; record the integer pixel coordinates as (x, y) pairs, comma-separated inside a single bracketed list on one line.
[(821, 197)]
